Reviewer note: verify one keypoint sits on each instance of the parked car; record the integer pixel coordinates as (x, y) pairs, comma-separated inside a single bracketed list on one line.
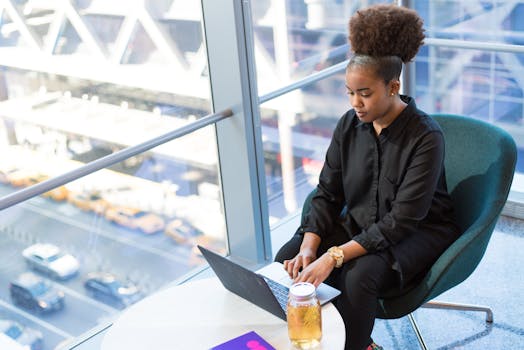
[(136, 219), (6, 173), (35, 293), (25, 178), (50, 260), (60, 193), (107, 288), (89, 201), (182, 232), (23, 335)]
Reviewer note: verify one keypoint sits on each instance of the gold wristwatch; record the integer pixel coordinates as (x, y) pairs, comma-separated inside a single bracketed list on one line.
[(337, 254)]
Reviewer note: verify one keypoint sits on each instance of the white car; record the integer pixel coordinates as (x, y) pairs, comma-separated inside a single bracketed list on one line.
[(9, 344), (28, 338), (50, 260)]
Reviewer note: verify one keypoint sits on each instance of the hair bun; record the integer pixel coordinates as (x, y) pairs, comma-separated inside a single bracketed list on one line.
[(386, 30)]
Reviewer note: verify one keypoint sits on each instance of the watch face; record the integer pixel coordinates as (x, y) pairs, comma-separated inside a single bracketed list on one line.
[(337, 254)]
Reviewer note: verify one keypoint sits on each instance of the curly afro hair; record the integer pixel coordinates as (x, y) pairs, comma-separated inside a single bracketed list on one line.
[(386, 30)]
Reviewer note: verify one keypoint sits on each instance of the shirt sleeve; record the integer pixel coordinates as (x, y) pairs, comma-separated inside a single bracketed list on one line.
[(328, 201), (413, 199)]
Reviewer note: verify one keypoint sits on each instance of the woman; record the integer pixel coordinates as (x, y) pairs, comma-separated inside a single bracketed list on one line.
[(381, 214)]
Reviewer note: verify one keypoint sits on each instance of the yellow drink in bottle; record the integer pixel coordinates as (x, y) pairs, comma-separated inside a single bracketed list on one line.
[(304, 316)]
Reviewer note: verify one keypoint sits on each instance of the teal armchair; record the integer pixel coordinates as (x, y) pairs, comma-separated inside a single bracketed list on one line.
[(480, 162)]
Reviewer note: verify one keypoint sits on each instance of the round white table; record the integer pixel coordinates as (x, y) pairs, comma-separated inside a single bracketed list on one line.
[(202, 314)]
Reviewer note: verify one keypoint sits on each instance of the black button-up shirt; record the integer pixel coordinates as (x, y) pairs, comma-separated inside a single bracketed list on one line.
[(393, 186)]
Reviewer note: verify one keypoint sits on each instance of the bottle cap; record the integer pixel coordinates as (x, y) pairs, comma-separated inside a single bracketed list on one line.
[(302, 290)]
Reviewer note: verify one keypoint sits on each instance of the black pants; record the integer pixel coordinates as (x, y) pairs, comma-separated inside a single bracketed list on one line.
[(361, 281)]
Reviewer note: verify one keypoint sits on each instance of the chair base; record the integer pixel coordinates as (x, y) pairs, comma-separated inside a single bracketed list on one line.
[(447, 306), (414, 325), (464, 307)]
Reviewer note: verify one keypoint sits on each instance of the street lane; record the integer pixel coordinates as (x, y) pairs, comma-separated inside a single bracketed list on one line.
[(151, 261)]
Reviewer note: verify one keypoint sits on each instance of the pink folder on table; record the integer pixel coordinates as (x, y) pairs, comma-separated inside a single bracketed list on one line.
[(247, 341)]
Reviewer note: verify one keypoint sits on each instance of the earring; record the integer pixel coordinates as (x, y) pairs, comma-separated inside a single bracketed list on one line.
[(392, 94)]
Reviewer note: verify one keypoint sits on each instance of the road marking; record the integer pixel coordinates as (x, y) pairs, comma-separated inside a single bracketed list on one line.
[(36, 320)]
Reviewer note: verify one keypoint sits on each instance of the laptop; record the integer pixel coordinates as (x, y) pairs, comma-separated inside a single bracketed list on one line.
[(267, 288)]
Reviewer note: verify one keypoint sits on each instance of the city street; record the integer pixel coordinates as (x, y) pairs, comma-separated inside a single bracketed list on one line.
[(150, 261)]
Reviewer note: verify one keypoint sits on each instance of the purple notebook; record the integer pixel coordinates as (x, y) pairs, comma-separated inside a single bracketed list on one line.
[(248, 341)]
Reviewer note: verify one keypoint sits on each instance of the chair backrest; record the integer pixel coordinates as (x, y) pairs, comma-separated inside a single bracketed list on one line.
[(480, 161)]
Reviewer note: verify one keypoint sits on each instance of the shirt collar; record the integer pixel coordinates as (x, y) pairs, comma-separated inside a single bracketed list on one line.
[(360, 123), (395, 127), (400, 122)]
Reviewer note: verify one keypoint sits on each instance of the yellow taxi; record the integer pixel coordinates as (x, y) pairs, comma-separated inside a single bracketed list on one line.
[(135, 219)]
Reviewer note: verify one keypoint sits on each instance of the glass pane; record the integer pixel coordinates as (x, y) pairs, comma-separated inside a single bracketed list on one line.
[(296, 131), (81, 80), (483, 85), (295, 38), (486, 21), (132, 229)]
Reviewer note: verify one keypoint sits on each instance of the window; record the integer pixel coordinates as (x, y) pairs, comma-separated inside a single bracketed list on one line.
[(79, 82)]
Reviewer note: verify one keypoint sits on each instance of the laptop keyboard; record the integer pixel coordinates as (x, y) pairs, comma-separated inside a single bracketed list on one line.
[(280, 291)]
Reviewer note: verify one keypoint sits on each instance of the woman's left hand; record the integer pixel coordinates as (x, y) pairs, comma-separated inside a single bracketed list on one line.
[(317, 271)]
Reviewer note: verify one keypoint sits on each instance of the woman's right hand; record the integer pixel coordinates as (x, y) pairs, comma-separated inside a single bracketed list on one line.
[(305, 257)]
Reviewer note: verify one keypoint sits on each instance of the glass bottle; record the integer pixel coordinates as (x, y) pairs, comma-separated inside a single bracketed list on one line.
[(304, 316)]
